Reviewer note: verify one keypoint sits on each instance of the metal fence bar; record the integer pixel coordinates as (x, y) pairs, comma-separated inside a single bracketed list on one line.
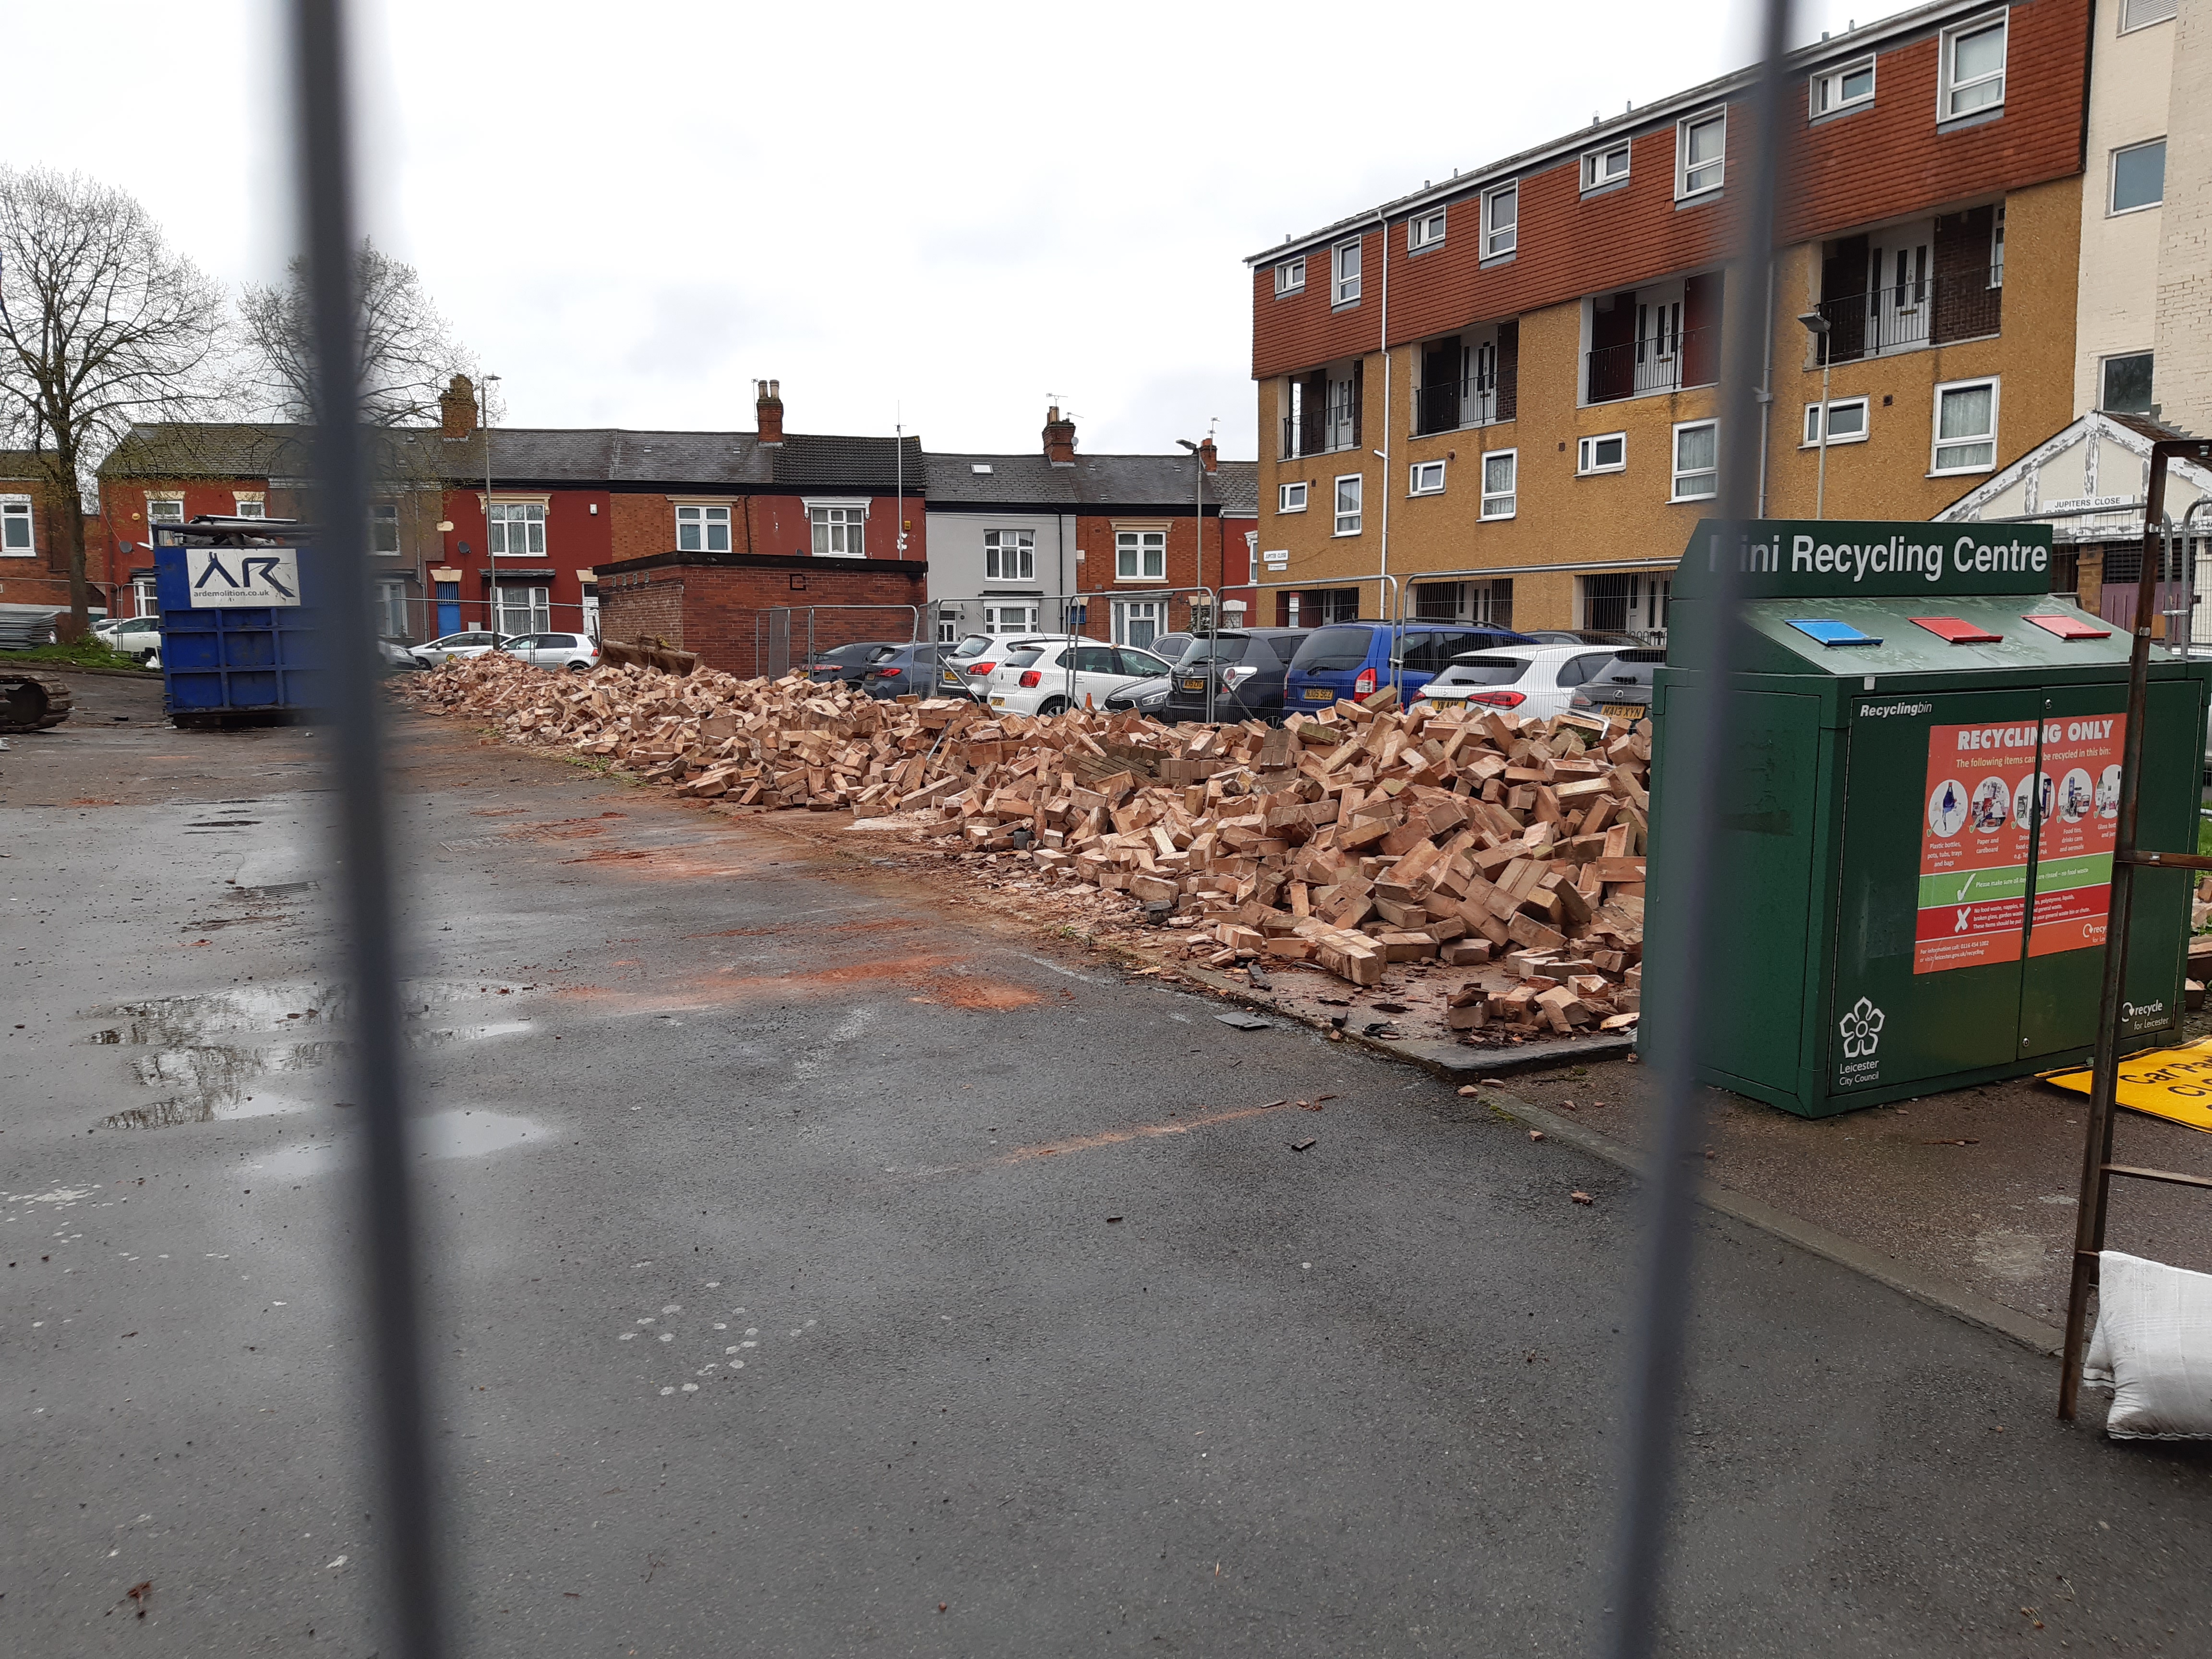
[(1662, 1309), (404, 1513)]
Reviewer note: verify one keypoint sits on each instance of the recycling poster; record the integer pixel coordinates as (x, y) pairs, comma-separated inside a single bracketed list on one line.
[(1986, 793)]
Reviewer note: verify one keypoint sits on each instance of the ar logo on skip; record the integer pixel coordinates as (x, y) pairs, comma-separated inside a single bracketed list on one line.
[(230, 576)]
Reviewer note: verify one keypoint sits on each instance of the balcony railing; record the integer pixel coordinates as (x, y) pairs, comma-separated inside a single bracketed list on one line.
[(1321, 437), (1636, 368), (1908, 315), (1448, 405)]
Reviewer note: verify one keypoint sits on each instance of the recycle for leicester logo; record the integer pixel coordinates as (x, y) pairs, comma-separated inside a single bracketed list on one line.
[(1861, 1030)]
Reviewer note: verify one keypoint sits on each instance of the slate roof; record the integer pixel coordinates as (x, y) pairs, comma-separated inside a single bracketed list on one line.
[(1095, 483), (684, 460)]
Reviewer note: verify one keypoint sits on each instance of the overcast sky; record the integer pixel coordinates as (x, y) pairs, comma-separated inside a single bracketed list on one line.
[(939, 214)]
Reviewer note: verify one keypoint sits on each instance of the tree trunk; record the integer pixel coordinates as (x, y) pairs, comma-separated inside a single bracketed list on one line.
[(79, 622)]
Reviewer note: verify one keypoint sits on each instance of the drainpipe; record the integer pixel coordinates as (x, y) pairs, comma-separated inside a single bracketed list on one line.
[(1389, 414), (1765, 397)]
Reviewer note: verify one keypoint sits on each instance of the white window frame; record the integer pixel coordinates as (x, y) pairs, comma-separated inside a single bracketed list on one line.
[(537, 605), (1132, 549), (1498, 240), (1348, 522), (1594, 175), (704, 522), (2103, 368), (1021, 544), (1586, 464), (1121, 612), (1816, 91), (1675, 461), (2162, 15), (145, 597), (503, 517), (382, 514), (1686, 175), (1425, 479), (249, 503), (1938, 443), (391, 607), (836, 520), (1506, 503), (2112, 210), (1344, 273), (1815, 419), (1291, 276), (996, 625), (1997, 247), (1947, 89), (1426, 230), (12, 508), (159, 503), (948, 631), (1291, 497)]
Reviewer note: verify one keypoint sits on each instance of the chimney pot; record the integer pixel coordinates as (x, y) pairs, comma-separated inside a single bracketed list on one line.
[(1059, 438), (768, 411), (1210, 455), (457, 409)]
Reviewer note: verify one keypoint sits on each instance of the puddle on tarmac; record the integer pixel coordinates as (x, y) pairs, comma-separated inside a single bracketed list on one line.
[(216, 1079), (441, 1135)]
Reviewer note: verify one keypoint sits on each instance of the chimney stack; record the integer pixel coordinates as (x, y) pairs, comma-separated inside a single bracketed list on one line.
[(769, 410), (457, 409), (1210, 455), (1059, 438)]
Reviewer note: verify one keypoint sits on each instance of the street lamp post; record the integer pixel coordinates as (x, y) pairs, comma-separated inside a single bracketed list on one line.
[(491, 553), (1198, 566), (1817, 326)]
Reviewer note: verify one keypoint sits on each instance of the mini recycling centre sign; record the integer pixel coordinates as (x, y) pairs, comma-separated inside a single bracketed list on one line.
[(1920, 809)]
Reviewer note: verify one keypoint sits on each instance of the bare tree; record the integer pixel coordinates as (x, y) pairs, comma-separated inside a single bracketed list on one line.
[(100, 327), (407, 353)]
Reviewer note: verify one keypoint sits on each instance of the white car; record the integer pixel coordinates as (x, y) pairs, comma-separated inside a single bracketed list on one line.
[(473, 643), (1045, 676), (133, 637), (1533, 681), (576, 651)]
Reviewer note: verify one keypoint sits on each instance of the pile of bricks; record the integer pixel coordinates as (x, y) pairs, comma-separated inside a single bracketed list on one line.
[(1350, 839)]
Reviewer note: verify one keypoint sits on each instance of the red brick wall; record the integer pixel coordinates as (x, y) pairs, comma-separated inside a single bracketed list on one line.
[(645, 524), (712, 609), (577, 538), (43, 579), (1886, 162), (1094, 538)]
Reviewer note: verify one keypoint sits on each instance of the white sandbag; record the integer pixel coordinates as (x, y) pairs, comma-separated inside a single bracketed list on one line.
[(2154, 1340)]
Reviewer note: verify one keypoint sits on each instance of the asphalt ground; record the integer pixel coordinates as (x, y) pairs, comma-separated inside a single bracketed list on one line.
[(1058, 1342)]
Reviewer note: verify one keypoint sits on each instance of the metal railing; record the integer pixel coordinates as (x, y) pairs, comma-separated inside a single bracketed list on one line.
[(1637, 368), (1325, 437), (1449, 405), (1910, 314)]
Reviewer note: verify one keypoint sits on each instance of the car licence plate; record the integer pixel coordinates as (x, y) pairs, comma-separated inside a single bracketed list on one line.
[(1320, 693), (998, 702), (1194, 685)]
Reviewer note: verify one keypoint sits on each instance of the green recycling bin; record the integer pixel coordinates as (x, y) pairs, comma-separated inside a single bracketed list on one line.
[(1917, 821)]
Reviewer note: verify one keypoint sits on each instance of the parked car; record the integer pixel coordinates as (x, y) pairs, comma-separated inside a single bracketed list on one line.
[(953, 662), (1583, 636), (971, 674), (470, 642), (577, 652), (1535, 681), (1146, 696), (1246, 668), (898, 671), (843, 662), (1620, 688), (132, 636), (397, 657), (1168, 647), (1352, 660), (1045, 676)]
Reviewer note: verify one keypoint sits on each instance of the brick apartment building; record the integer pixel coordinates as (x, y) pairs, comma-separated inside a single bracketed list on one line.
[(1557, 315), (1112, 546)]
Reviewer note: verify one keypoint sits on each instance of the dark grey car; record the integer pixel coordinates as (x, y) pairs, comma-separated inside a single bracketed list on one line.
[(845, 662), (1621, 688), (899, 671), (1245, 669)]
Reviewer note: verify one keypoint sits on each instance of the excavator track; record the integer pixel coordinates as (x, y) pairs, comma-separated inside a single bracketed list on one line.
[(31, 702)]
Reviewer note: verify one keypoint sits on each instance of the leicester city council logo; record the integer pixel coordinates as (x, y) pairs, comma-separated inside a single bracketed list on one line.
[(1861, 1030)]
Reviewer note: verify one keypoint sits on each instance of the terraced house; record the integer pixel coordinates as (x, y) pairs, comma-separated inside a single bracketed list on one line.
[(1500, 391)]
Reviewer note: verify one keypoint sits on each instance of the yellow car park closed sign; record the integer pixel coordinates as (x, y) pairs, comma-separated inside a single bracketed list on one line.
[(2168, 1083)]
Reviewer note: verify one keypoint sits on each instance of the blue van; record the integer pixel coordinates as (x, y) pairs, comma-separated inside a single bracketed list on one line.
[(1352, 660)]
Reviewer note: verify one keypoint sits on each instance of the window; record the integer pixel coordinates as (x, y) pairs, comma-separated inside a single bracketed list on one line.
[(1344, 256), (1140, 555), (2139, 176), (1501, 221), (1291, 498), (1010, 556), (1499, 468), (251, 504), (1843, 88), (840, 529), (1291, 276), (1138, 623), (1847, 422), (948, 631), (165, 509), (145, 601), (1965, 426), (1348, 504), (2125, 384), (15, 527), (1997, 248), (1973, 67), (1696, 461), (518, 532), (1700, 154), (1425, 231), (1001, 619), (1608, 454), (2141, 14), (392, 609), (1605, 166), (1425, 479), (702, 529), (524, 610), (383, 528)]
